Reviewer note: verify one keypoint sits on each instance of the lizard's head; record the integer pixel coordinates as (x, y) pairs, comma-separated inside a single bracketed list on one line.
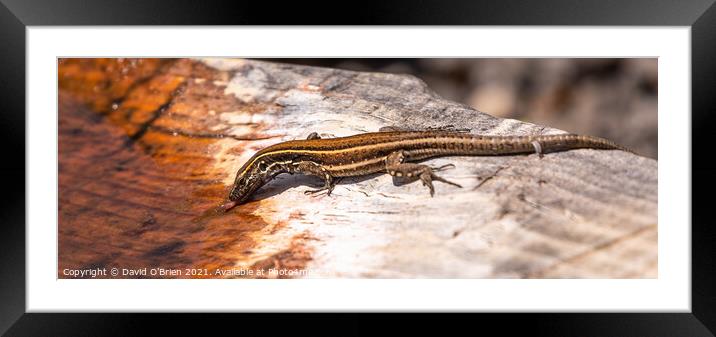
[(252, 175)]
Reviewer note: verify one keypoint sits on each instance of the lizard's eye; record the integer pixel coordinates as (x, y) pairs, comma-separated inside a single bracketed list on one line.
[(262, 166)]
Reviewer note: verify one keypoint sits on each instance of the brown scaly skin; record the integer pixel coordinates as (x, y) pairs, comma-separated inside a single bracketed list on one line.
[(390, 152)]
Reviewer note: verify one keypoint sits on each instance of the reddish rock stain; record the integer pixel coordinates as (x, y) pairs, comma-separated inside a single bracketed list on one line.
[(133, 193)]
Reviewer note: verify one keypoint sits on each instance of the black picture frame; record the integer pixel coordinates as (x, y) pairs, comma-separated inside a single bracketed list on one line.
[(15, 15)]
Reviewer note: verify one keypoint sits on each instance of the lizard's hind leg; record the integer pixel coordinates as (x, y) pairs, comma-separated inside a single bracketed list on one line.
[(396, 167)]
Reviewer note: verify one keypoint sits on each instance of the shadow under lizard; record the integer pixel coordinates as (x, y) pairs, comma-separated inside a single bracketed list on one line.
[(390, 151)]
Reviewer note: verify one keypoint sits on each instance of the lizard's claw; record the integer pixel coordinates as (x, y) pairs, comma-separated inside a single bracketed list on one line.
[(444, 167)]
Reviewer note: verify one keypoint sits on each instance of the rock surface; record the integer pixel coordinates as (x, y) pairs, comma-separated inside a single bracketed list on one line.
[(178, 130)]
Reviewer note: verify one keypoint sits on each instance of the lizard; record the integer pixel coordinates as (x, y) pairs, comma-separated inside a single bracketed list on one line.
[(392, 150)]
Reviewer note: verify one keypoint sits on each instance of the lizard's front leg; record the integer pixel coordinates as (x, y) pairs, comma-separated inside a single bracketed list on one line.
[(395, 166), (314, 169)]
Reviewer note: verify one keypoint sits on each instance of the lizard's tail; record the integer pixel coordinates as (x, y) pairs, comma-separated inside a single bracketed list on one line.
[(563, 142), (479, 145)]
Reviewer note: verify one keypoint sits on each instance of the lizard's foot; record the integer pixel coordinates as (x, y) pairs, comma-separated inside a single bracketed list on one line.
[(449, 128), (441, 168), (395, 166), (308, 192), (328, 187), (446, 128), (427, 176)]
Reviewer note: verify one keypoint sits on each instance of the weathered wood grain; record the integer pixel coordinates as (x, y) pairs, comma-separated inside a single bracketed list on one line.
[(148, 149)]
